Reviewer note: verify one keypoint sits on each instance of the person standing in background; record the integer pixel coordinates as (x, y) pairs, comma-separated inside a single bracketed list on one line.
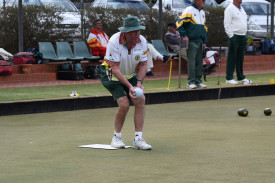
[(235, 25), (191, 27)]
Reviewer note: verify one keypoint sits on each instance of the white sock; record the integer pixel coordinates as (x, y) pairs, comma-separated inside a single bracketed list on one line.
[(148, 70), (138, 135), (117, 134)]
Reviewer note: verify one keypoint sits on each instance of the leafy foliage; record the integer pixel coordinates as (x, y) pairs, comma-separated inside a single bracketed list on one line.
[(216, 35), (42, 24), (39, 24), (112, 19)]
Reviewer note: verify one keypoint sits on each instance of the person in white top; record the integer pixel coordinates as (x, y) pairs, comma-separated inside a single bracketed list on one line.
[(126, 51), (98, 39), (235, 25), (154, 55)]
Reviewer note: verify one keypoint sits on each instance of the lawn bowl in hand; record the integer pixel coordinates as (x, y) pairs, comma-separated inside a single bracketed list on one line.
[(138, 92)]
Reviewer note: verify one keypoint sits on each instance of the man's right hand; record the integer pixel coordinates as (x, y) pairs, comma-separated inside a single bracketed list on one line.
[(186, 40), (131, 91)]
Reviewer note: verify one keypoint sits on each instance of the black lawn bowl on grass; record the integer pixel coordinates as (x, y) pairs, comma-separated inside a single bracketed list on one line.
[(242, 112), (267, 111)]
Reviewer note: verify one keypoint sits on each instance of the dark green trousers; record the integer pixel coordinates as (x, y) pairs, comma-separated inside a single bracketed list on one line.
[(236, 50), (195, 62)]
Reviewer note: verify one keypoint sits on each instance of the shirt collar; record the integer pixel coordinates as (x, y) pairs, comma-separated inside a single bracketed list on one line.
[(195, 6), (122, 40), (96, 32)]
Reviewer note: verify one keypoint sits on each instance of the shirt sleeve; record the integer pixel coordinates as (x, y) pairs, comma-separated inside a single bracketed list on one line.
[(112, 53), (144, 49), (171, 39), (228, 22), (184, 19)]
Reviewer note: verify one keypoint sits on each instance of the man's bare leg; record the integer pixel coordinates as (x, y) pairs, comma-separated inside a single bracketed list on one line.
[(123, 108), (139, 142), (139, 114)]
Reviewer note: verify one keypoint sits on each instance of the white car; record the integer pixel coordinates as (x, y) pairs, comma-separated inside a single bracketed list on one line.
[(71, 15), (257, 16), (180, 5), (138, 5)]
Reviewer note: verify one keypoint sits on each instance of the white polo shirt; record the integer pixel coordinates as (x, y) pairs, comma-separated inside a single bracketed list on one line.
[(235, 21), (119, 53)]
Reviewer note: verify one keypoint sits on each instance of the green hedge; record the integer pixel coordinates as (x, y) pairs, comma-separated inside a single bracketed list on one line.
[(112, 19), (39, 24), (36, 30), (216, 34)]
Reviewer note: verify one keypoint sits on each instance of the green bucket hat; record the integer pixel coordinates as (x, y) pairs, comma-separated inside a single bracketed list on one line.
[(131, 23)]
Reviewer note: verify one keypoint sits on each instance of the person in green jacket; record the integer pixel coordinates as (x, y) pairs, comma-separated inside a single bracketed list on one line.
[(191, 27)]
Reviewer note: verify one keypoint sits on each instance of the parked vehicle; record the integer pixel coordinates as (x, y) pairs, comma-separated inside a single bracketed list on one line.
[(138, 5), (180, 5), (257, 17), (69, 13)]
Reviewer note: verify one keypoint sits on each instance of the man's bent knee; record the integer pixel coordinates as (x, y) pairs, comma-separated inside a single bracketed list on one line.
[(139, 101), (123, 103)]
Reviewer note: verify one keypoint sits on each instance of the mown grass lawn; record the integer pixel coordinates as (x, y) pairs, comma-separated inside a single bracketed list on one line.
[(193, 142)]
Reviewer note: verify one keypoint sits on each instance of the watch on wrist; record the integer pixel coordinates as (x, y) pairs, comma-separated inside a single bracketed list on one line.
[(140, 81)]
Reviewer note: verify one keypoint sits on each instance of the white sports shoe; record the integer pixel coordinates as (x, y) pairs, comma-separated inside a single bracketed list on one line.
[(201, 85), (232, 81), (117, 142), (245, 81), (191, 86), (141, 144)]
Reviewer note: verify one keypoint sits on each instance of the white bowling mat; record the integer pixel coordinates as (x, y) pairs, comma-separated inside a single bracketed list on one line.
[(101, 146)]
